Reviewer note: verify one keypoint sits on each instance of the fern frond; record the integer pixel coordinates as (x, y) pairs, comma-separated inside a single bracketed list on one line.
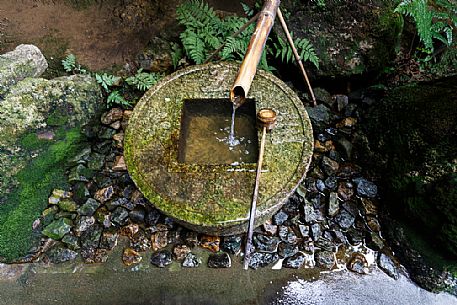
[(143, 80), (69, 63), (176, 54), (115, 98), (106, 80)]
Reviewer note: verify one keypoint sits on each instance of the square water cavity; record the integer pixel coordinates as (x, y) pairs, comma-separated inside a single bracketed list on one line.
[(205, 131)]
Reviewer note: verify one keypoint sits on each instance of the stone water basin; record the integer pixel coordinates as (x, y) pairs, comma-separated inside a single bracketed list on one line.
[(214, 197)]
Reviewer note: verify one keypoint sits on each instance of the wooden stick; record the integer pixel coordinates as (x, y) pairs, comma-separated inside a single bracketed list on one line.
[(297, 57), (250, 21), (248, 247)]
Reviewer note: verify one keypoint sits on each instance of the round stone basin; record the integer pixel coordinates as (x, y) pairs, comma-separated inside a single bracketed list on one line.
[(203, 196)]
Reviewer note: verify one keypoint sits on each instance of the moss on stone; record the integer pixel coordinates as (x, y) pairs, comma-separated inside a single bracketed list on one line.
[(35, 182)]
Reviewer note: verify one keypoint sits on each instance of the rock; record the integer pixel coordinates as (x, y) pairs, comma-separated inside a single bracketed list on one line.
[(108, 240), (103, 217), (347, 122), (358, 263), (120, 202), (346, 147), (159, 240), (58, 195), (104, 194), (325, 259), (231, 244), (304, 230), (67, 205), (137, 215), (373, 224), (333, 204), (316, 231), (71, 241), (210, 242), (156, 57), (140, 241), (320, 116), (58, 228), (287, 250), (161, 258), (259, 259), (24, 61), (96, 161), (265, 243), (310, 214), (345, 191), (295, 261), (219, 260), (329, 166), (191, 239), (130, 257), (84, 223), (115, 114), (270, 229), (191, 261), (119, 164), (280, 217), (287, 235), (90, 238), (120, 216), (388, 266), (89, 207), (341, 101), (365, 188), (180, 252), (369, 206), (129, 230), (331, 183), (119, 139), (323, 96), (60, 255), (345, 219), (152, 217)]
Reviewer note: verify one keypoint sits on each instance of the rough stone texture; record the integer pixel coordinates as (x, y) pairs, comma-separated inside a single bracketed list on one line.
[(215, 199), (25, 61), (360, 40)]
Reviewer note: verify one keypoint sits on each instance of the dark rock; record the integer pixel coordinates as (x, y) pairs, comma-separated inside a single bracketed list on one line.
[(191, 238), (329, 166), (373, 224), (259, 259), (365, 188), (287, 235), (333, 204), (341, 101), (344, 219), (221, 260), (355, 237), (58, 228), (231, 244), (331, 183), (345, 191), (71, 241), (280, 217), (316, 231), (287, 250), (130, 257), (295, 261), (388, 266), (81, 192), (320, 116), (60, 255), (96, 161), (79, 173), (325, 259), (161, 258), (320, 185), (358, 263), (292, 206), (156, 57), (191, 261), (89, 207), (265, 243), (120, 216), (120, 202), (90, 239), (346, 147), (323, 96), (304, 230), (103, 217), (137, 215), (152, 217)]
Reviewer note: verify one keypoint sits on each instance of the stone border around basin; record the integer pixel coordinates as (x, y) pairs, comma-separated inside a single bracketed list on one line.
[(215, 199)]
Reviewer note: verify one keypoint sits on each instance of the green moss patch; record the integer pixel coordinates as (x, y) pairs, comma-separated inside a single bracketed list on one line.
[(35, 183)]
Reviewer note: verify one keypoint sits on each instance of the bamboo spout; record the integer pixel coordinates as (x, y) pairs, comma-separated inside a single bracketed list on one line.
[(248, 67)]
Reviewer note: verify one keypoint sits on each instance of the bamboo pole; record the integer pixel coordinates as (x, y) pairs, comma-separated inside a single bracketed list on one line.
[(297, 57), (248, 67)]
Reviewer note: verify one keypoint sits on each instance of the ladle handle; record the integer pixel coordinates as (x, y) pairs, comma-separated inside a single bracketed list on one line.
[(248, 246)]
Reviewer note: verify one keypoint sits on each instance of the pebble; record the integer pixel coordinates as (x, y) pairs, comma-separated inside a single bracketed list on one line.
[(130, 257), (119, 164), (180, 252), (345, 219), (259, 259), (329, 166), (358, 263), (120, 216), (159, 240), (388, 266), (265, 243), (161, 259), (104, 194), (365, 188), (333, 204), (231, 244), (287, 250), (89, 207), (280, 218), (111, 116), (296, 261), (325, 259), (191, 261), (220, 260), (211, 243)]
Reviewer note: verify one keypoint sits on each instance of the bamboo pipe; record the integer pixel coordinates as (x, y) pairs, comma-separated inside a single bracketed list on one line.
[(248, 67)]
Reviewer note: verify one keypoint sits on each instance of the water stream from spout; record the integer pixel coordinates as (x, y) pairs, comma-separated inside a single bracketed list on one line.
[(232, 141)]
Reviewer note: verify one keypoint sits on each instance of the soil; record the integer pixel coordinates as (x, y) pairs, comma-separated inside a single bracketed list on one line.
[(100, 33)]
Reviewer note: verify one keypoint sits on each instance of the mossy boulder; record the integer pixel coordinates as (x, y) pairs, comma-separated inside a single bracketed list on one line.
[(350, 37), (41, 129), (413, 146), (24, 61)]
